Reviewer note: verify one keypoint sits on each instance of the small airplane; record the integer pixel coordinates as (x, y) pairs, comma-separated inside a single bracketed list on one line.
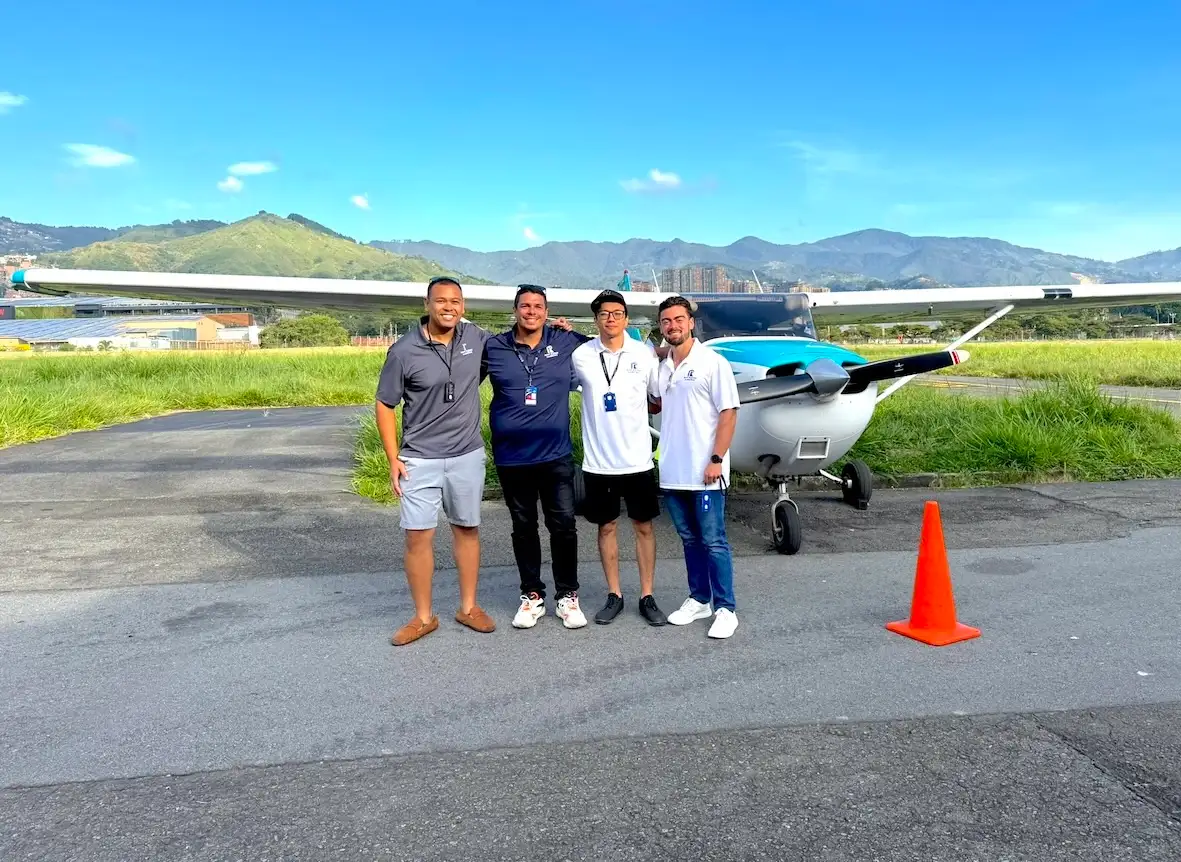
[(805, 401)]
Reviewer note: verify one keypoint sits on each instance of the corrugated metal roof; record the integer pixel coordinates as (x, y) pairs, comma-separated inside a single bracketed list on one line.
[(60, 329), (57, 301), (107, 301), (154, 320)]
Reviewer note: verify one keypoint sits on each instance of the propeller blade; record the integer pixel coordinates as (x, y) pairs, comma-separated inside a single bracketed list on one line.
[(775, 387), (823, 377), (904, 366)]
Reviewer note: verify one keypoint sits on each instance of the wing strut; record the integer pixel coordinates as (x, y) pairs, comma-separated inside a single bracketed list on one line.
[(963, 339)]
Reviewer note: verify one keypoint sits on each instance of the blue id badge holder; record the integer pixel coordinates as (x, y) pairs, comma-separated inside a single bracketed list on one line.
[(530, 396), (609, 402)]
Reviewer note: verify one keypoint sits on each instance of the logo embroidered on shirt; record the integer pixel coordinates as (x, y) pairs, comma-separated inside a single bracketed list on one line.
[(464, 349), (550, 353)]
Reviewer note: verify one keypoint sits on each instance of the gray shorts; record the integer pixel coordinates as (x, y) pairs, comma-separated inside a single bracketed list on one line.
[(453, 485)]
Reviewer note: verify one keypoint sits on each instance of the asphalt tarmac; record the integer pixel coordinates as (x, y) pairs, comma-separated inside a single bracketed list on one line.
[(194, 664)]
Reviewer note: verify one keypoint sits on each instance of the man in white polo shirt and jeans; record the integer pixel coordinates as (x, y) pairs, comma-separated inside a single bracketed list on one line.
[(618, 375), (699, 410)]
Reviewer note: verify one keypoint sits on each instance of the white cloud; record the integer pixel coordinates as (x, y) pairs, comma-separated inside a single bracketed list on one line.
[(230, 184), (250, 169), (531, 234), (98, 157), (361, 201), (830, 160), (8, 101), (658, 180)]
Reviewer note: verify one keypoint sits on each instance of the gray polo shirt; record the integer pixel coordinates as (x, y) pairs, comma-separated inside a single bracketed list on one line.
[(416, 374)]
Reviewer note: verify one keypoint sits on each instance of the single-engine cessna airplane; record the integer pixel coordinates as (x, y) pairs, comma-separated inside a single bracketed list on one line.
[(805, 401)]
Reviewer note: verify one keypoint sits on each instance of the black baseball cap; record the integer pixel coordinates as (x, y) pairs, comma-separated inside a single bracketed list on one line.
[(608, 296)]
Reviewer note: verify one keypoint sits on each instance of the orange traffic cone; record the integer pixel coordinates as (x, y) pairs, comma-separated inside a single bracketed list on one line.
[(932, 610)]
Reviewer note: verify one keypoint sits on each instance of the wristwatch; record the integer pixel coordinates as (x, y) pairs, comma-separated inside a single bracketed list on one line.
[(715, 459)]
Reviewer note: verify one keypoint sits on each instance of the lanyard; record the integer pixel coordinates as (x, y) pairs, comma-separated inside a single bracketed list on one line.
[(536, 356), (603, 362), (450, 353)]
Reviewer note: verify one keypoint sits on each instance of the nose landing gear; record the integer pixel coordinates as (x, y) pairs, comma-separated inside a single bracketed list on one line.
[(786, 530)]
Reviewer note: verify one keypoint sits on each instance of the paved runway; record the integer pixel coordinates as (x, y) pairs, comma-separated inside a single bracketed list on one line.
[(194, 622), (1161, 399)]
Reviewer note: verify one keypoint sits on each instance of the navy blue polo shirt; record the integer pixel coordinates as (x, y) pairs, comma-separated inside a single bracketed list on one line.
[(524, 434)]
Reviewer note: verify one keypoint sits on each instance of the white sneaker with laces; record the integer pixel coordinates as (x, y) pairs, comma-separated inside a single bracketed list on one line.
[(532, 609), (689, 611), (571, 614), (725, 622)]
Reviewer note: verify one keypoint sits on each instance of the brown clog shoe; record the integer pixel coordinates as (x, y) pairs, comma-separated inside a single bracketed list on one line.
[(477, 619), (413, 630)]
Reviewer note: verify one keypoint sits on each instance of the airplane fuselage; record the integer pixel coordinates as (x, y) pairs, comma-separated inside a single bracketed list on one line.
[(800, 434)]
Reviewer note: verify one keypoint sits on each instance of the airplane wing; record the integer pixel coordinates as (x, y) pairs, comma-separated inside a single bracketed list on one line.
[(869, 306), (368, 295), (300, 292)]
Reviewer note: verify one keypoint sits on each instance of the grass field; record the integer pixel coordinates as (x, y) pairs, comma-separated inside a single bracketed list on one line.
[(1125, 363), (1066, 431), (43, 396)]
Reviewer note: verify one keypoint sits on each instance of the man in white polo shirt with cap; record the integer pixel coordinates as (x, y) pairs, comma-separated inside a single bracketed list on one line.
[(618, 375), (699, 410)]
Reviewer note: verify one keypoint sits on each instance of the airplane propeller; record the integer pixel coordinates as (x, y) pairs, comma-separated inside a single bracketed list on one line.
[(825, 377)]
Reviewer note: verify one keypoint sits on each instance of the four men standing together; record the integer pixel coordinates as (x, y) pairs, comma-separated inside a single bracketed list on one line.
[(435, 373)]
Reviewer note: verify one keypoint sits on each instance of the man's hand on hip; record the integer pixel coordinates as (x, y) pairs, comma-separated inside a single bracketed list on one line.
[(398, 472)]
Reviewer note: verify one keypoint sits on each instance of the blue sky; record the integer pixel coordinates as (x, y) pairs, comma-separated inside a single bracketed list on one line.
[(499, 126)]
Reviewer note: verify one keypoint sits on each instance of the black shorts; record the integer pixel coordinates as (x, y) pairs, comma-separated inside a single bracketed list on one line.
[(639, 492)]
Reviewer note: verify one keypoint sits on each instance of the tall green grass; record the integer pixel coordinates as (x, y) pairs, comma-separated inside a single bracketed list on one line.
[(1120, 362), (1067, 431), (44, 396)]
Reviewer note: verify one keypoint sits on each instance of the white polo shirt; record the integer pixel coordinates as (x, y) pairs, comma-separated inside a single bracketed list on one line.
[(693, 395), (616, 442)]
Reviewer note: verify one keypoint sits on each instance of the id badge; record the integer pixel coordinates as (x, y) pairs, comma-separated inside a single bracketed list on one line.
[(609, 402), (530, 396), (449, 392)]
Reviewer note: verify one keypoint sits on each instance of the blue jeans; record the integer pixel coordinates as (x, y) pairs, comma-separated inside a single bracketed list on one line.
[(700, 520)]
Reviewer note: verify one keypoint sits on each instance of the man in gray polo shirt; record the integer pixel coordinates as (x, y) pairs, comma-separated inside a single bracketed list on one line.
[(434, 372)]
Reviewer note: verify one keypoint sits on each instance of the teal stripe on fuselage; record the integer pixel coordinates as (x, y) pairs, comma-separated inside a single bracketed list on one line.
[(768, 352)]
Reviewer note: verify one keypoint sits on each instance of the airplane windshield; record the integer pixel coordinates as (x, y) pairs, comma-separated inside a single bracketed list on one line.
[(766, 315)]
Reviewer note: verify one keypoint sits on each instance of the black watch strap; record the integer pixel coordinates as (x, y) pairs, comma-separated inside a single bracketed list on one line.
[(715, 459)]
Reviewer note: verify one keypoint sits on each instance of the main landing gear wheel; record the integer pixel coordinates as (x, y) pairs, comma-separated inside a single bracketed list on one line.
[(857, 484), (786, 531)]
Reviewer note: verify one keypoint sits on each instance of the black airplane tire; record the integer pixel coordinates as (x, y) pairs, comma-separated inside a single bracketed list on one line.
[(787, 532), (857, 484)]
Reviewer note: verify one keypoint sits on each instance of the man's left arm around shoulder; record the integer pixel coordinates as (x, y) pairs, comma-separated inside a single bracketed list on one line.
[(565, 326)]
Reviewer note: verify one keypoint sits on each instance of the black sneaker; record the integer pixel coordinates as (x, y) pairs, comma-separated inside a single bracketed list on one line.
[(610, 610), (650, 612)]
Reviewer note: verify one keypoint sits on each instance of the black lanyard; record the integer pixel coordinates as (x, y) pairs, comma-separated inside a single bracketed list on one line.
[(603, 362), (536, 356), (450, 353)]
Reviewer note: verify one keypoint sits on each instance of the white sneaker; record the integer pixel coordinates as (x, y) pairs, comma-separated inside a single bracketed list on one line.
[(571, 614), (532, 609), (688, 612), (725, 622)]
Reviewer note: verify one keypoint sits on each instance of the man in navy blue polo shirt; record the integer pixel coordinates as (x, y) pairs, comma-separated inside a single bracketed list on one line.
[(532, 377)]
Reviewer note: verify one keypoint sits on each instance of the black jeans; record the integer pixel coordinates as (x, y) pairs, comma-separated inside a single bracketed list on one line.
[(553, 483)]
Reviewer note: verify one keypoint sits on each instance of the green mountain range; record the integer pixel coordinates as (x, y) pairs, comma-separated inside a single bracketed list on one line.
[(264, 244), (267, 244)]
